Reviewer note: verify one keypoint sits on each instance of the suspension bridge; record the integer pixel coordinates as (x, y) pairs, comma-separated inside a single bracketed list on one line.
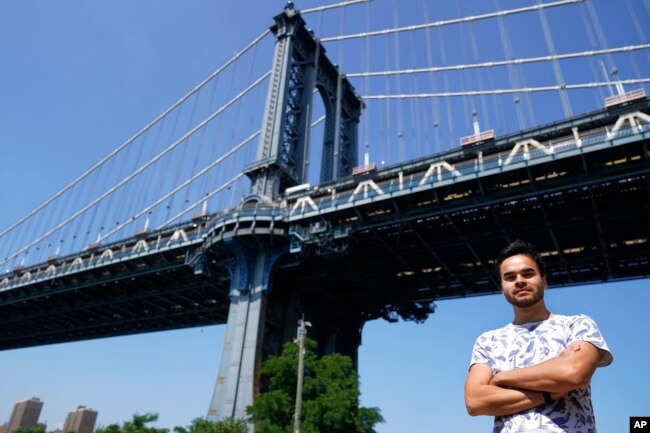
[(392, 163)]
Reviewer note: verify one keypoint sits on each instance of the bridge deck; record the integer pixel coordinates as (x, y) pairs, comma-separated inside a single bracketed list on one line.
[(388, 242)]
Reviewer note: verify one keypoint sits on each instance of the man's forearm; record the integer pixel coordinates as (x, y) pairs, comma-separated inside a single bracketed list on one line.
[(557, 375), (497, 401)]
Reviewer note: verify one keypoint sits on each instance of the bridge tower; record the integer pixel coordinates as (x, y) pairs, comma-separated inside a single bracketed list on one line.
[(299, 67)]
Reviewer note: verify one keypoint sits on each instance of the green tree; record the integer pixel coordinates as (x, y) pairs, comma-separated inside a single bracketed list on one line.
[(228, 425), (330, 395), (111, 428), (37, 429), (137, 425)]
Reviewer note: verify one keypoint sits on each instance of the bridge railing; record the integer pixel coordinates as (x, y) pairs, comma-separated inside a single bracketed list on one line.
[(180, 235), (333, 199)]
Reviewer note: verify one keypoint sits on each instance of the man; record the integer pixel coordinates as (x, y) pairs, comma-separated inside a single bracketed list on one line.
[(533, 374)]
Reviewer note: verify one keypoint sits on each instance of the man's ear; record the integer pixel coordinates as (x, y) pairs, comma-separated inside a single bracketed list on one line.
[(545, 282)]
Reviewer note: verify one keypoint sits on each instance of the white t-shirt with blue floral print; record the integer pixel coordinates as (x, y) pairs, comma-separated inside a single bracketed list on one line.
[(517, 346)]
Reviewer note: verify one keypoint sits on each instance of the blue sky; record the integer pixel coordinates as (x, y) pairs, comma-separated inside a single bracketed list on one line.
[(78, 78)]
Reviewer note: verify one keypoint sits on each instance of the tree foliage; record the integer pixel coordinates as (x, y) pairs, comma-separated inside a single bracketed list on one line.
[(37, 429), (330, 395), (137, 425), (228, 425)]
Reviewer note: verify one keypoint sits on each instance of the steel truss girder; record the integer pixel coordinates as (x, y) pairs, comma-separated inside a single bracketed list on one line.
[(623, 186)]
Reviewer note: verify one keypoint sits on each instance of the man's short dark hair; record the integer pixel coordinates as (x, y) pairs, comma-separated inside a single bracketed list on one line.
[(520, 247)]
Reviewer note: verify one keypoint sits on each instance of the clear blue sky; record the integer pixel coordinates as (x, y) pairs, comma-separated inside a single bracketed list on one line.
[(76, 79)]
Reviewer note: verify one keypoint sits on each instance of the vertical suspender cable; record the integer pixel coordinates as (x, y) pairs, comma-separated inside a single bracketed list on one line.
[(467, 81), (179, 161), (557, 70), (211, 152), (127, 205), (241, 163), (92, 222), (365, 122), (140, 185), (597, 92), (166, 162), (401, 147), (435, 109), (147, 182), (513, 75), (450, 122), (640, 33), (484, 110), (419, 145), (389, 120), (600, 35), (195, 160)]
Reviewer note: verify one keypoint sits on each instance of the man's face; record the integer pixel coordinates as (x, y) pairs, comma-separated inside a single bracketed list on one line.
[(521, 282)]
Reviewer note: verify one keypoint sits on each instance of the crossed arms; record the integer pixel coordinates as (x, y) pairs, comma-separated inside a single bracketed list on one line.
[(509, 392)]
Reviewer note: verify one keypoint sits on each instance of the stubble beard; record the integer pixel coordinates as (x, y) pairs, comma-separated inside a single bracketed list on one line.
[(527, 302)]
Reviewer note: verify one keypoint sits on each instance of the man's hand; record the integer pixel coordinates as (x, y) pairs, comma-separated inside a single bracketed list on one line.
[(484, 398)]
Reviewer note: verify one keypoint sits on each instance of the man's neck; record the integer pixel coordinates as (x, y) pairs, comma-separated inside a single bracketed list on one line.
[(535, 313)]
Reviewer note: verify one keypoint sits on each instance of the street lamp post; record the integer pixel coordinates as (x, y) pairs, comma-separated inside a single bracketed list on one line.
[(302, 333)]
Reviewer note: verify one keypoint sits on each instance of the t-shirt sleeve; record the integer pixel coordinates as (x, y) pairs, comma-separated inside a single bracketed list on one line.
[(584, 328), (481, 353)]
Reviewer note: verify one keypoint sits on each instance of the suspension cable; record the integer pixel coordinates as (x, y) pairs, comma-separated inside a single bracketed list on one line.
[(639, 31), (184, 184), (506, 91), (497, 63), (332, 6), (365, 119), (435, 109), (443, 58), (485, 113), (143, 167), (207, 197), (467, 77), (449, 22), (513, 73), (599, 95), (598, 29), (557, 70), (401, 146), (137, 134)]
